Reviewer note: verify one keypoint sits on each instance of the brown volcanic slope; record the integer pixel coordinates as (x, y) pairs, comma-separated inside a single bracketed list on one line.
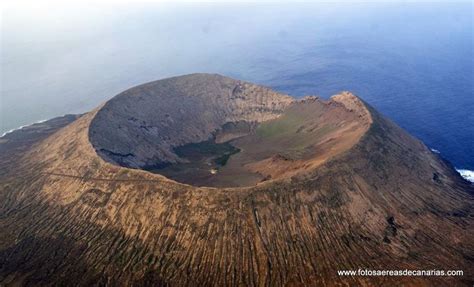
[(351, 190)]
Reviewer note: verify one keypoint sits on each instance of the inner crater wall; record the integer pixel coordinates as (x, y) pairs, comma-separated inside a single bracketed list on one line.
[(142, 125)]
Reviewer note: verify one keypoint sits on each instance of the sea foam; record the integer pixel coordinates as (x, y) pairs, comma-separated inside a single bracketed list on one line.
[(467, 174), (20, 127)]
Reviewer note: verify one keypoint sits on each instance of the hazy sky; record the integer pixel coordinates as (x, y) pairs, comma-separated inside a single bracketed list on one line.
[(68, 58), (58, 57)]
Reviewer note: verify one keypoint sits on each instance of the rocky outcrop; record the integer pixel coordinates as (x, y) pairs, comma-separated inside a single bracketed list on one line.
[(354, 105)]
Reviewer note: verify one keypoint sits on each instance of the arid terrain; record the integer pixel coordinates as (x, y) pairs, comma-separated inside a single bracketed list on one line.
[(202, 180)]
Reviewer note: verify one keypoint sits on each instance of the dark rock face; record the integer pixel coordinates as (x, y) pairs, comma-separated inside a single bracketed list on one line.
[(142, 125), (67, 217)]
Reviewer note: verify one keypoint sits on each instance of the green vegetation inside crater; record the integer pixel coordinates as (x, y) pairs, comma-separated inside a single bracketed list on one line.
[(207, 152), (201, 162), (222, 160), (283, 126)]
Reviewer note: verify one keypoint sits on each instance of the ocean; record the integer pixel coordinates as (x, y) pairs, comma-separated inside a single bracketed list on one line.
[(412, 61)]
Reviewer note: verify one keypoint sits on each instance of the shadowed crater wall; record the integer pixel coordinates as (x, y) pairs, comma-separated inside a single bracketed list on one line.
[(142, 125), (209, 130)]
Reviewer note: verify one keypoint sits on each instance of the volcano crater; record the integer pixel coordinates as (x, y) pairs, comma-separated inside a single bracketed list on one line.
[(210, 130)]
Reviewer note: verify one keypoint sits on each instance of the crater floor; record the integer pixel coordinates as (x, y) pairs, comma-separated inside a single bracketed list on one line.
[(209, 130), (306, 134)]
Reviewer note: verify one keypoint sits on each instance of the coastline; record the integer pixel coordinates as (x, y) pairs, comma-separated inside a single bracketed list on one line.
[(466, 174), (24, 126)]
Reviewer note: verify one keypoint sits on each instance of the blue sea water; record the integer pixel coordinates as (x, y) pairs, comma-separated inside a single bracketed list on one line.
[(413, 62)]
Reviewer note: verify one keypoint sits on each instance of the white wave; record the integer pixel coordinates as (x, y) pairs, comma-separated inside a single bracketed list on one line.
[(20, 127), (467, 174)]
